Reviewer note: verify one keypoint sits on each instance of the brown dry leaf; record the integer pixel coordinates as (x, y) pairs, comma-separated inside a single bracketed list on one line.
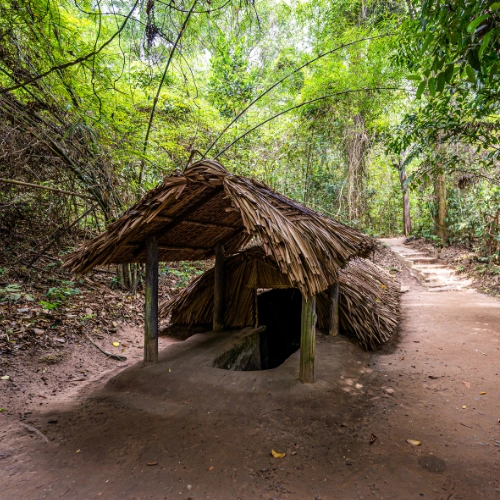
[(482, 393), (211, 468), (413, 442), (373, 438), (466, 384), (275, 454), (152, 463)]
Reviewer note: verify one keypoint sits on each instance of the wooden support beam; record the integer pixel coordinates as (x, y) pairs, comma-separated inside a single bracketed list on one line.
[(333, 296), (219, 288), (151, 303), (308, 340), (166, 218)]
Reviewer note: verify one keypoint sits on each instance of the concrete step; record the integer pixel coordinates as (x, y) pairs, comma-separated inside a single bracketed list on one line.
[(443, 273), (415, 254), (423, 260), (424, 267)]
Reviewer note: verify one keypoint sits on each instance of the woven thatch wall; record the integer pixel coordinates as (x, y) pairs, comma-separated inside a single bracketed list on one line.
[(369, 297), (189, 213)]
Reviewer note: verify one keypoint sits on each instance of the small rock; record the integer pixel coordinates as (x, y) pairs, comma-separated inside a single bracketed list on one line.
[(88, 310), (389, 391), (38, 331)]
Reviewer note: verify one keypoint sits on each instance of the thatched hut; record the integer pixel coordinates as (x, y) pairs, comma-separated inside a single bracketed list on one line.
[(368, 301), (206, 212)]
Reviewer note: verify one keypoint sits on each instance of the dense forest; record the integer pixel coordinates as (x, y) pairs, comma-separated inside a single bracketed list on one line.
[(381, 114)]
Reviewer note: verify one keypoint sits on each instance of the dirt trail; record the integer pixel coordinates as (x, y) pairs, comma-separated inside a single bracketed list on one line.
[(210, 432)]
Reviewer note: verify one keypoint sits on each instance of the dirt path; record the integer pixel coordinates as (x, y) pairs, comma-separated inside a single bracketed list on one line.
[(209, 432)]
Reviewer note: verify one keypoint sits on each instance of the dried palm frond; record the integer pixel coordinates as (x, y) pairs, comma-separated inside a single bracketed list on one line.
[(190, 213), (368, 303)]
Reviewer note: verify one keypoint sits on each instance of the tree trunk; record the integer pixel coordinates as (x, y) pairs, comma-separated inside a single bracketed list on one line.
[(406, 202), (356, 145), (440, 223), (219, 291), (151, 303), (308, 340)]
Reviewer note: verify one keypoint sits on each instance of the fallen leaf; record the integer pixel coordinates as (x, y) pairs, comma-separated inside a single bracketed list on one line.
[(169, 370), (2, 410), (5, 377), (275, 454), (373, 438), (413, 442), (211, 468), (78, 451), (152, 463), (433, 377), (466, 384), (116, 344), (464, 406), (482, 393)]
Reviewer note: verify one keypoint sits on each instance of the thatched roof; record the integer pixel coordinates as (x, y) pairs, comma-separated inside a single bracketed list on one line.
[(368, 304), (190, 213)]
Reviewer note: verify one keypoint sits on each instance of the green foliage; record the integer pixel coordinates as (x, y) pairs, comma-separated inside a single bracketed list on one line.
[(59, 295), (14, 293), (184, 273)]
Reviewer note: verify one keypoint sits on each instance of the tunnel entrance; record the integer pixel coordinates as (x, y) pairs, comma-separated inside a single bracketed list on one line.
[(280, 311)]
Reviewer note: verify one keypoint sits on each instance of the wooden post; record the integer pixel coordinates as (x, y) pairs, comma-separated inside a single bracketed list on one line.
[(151, 302), (219, 289), (308, 340), (333, 295)]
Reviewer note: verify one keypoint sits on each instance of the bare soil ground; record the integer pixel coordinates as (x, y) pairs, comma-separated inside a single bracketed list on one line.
[(182, 429)]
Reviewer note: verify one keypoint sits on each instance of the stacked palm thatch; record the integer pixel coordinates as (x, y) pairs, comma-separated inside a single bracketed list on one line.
[(369, 303), (190, 212), (369, 297)]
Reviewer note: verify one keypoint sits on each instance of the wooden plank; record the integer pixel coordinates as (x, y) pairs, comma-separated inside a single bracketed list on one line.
[(151, 303), (308, 340), (219, 288), (333, 295)]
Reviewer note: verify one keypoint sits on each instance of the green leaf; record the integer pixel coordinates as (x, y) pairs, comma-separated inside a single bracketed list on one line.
[(416, 78), (420, 89), (441, 80), (471, 74), (474, 24), (432, 86), (484, 44), (448, 72), (495, 6)]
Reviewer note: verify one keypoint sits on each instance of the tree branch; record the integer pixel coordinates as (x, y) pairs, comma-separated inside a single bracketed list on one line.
[(274, 85), (75, 61), (38, 186), (328, 96), (155, 101)]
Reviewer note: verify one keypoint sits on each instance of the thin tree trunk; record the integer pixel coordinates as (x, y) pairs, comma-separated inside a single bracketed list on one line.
[(406, 202), (440, 223)]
